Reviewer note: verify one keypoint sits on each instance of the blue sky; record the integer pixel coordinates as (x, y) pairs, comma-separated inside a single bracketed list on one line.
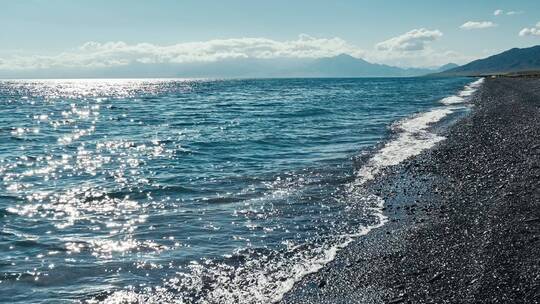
[(404, 33)]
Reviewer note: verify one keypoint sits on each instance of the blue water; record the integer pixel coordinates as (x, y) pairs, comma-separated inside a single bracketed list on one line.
[(207, 191)]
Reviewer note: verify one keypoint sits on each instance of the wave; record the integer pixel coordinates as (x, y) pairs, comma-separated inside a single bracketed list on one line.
[(257, 275), (464, 95), (413, 136)]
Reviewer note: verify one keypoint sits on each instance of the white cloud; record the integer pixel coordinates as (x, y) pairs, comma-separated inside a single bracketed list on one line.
[(415, 40), (473, 25), (409, 49), (414, 49), (532, 31), (109, 54), (510, 13)]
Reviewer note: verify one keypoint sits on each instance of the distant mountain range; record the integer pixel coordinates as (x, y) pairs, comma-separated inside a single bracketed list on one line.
[(511, 61), (337, 66), (348, 66)]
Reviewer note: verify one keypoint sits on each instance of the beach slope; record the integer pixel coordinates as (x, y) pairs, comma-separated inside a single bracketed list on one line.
[(464, 217)]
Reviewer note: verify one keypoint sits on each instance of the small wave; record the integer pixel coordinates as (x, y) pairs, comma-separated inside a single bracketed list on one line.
[(413, 136), (463, 95), (254, 276), (452, 100)]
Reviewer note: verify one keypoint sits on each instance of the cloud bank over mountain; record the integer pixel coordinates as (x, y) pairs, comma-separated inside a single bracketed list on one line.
[(109, 54), (411, 49), (415, 40)]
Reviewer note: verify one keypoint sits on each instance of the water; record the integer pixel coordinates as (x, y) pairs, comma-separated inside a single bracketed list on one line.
[(206, 191)]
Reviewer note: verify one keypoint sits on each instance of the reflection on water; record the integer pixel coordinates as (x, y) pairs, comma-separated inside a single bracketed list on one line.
[(186, 190)]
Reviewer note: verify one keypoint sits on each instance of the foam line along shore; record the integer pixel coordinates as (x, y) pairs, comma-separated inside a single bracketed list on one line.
[(462, 217), (205, 191), (410, 136)]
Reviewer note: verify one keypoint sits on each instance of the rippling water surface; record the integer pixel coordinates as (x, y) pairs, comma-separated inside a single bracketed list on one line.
[(208, 191)]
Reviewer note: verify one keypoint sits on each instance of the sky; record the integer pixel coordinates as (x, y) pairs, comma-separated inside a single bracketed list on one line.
[(82, 34)]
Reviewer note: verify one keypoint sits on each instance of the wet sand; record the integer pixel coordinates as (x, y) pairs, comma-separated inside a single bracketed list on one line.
[(464, 217)]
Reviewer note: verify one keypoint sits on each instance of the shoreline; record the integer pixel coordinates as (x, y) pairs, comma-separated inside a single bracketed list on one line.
[(463, 217)]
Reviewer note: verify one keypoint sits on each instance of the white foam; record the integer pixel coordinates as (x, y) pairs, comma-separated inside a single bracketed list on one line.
[(262, 279), (468, 91), (412, 138), (477, 83), (452, 100), (463, 95)]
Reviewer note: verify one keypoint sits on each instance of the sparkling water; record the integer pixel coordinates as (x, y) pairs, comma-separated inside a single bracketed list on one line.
[(196, 191)]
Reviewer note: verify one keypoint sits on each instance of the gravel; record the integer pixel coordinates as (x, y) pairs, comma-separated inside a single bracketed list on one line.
[(464, 217)]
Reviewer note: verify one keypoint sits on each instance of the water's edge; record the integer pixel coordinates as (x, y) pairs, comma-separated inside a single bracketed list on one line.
[(411, 136), (200, 192)]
